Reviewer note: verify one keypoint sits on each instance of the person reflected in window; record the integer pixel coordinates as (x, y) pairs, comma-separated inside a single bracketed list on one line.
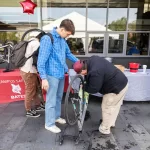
[(80, 47), (133, 51)]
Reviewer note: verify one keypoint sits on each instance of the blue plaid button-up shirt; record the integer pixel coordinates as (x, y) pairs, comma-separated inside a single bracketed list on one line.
[(52, 57)]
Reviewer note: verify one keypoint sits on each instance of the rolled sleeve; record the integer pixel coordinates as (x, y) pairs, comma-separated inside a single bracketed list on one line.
[(44, 53)]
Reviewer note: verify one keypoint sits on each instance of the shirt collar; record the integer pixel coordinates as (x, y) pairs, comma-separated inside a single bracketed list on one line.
[(54, 32)]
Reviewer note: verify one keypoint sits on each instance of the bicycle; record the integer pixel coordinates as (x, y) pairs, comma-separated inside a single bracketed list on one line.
[(26, 35), (76, 103), (9, 46)]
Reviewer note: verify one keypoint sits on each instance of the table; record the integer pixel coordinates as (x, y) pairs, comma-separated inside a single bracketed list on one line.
[(139, 85), (12, 87)]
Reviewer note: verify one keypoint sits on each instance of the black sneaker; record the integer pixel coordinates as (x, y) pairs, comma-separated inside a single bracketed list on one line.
[(42, 105), (32, 113), (40, 108)]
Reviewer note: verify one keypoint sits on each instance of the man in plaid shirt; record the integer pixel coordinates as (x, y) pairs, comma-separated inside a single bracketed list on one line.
[(52, 67)]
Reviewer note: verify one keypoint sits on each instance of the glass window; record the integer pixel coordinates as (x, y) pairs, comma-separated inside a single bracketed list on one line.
[(139, 15), (15, 36), (97, 10), (137, 43), (77, 45), (96, 43), (13, 18), (115, 44), (53, 12), (9, 37), (117, 16)]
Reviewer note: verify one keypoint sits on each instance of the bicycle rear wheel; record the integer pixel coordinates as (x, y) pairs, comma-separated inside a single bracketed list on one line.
[(29, 31), (73, 103)]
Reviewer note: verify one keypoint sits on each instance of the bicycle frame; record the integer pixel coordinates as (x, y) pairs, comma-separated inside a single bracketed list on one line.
[(82, 114), (9, 49)]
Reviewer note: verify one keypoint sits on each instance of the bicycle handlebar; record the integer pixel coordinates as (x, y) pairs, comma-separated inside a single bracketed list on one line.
[(6, 46)]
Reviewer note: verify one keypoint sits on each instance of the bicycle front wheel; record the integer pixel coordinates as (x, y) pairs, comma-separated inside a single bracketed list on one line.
[(73, 103)]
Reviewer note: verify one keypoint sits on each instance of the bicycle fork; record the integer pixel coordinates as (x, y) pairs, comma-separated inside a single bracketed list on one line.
[(82, 115), (81, 119)]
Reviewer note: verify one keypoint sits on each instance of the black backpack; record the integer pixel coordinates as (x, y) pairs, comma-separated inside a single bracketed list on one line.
[(35, 54), (17, 57)]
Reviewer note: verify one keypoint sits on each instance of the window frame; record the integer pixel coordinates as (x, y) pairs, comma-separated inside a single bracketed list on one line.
[(106, 34)]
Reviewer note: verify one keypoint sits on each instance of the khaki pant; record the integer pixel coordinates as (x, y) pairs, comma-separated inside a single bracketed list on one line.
[(31, 90), (110, 108)]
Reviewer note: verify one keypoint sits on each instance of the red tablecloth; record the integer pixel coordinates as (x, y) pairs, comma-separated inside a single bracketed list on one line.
[(12, 87)]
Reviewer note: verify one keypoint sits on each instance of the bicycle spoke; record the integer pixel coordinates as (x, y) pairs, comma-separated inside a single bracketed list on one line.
[(73, 103)]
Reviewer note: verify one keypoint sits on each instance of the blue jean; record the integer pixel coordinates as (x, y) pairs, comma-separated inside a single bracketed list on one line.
[(53, 100)]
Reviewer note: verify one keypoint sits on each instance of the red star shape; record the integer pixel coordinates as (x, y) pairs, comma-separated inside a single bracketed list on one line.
[(28, 6)]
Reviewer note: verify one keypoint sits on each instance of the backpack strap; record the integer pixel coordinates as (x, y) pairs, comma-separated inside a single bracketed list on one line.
[(32, 54), (51, 37), (52, 40)]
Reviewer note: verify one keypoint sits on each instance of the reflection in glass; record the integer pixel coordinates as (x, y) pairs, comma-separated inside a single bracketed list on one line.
[(97, 11), (139, 15), (13, 18), (117, 17), (53, 16), (137, 44), (116, 43), (11, 38), (53, 12), (96, 43), (76, 45)]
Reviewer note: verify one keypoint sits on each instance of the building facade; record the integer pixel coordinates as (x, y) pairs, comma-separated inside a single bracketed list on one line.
[(109, 28)]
